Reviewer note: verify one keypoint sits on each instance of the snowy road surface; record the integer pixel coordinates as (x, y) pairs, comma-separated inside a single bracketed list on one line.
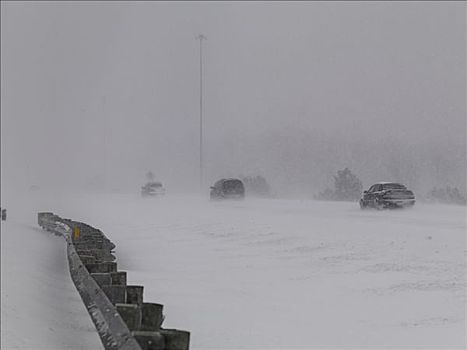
[(262, 274)]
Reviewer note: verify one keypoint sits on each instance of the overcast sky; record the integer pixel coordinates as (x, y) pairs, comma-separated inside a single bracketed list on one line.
[(99, 92)]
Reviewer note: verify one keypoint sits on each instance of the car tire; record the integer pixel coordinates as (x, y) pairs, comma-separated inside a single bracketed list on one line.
[(379, 205), (362, 204)]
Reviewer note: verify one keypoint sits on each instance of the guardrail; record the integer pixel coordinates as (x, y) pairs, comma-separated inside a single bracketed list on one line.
[(122, 319)]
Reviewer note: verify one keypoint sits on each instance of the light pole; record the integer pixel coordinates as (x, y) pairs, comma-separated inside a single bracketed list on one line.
[(201, 37)]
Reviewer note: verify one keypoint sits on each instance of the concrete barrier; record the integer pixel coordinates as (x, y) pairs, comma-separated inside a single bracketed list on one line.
[(151, 316), (131, 314), (118, 278), (134, 295), (102, 279), (111, 328), (122, 319)]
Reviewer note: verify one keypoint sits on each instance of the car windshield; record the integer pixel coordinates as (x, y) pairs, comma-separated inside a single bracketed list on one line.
[(232, 185), (393, 186), (154, 184)]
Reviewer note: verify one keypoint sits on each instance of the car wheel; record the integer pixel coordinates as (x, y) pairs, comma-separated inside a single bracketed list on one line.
[(362, 204), (379, 205)]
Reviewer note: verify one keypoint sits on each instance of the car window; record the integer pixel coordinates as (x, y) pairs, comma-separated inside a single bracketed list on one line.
[(394, 186), (233, 185), (372, 188)]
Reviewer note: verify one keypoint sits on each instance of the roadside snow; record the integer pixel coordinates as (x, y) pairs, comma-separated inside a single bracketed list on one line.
[(40, 307)]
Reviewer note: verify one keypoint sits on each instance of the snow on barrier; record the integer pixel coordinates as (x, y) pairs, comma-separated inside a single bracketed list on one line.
[(122, 319)]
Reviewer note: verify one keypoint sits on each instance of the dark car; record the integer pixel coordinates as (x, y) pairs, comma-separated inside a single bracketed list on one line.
[(152, 188), (228, 189), (387, 195)]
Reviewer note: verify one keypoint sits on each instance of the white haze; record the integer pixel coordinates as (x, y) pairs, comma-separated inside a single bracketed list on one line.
[(95, 94)]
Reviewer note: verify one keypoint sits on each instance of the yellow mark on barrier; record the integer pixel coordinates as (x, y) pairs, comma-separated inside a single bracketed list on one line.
[(76, 233)]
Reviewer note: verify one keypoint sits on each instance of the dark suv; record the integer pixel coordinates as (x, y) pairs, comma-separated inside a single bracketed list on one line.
[(228, 188), (387, 195)]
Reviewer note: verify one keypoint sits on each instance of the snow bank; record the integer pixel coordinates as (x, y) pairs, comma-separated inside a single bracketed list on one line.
[(40, 307)]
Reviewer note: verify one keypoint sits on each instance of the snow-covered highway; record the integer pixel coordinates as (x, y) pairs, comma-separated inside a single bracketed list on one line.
[(259, 274)]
